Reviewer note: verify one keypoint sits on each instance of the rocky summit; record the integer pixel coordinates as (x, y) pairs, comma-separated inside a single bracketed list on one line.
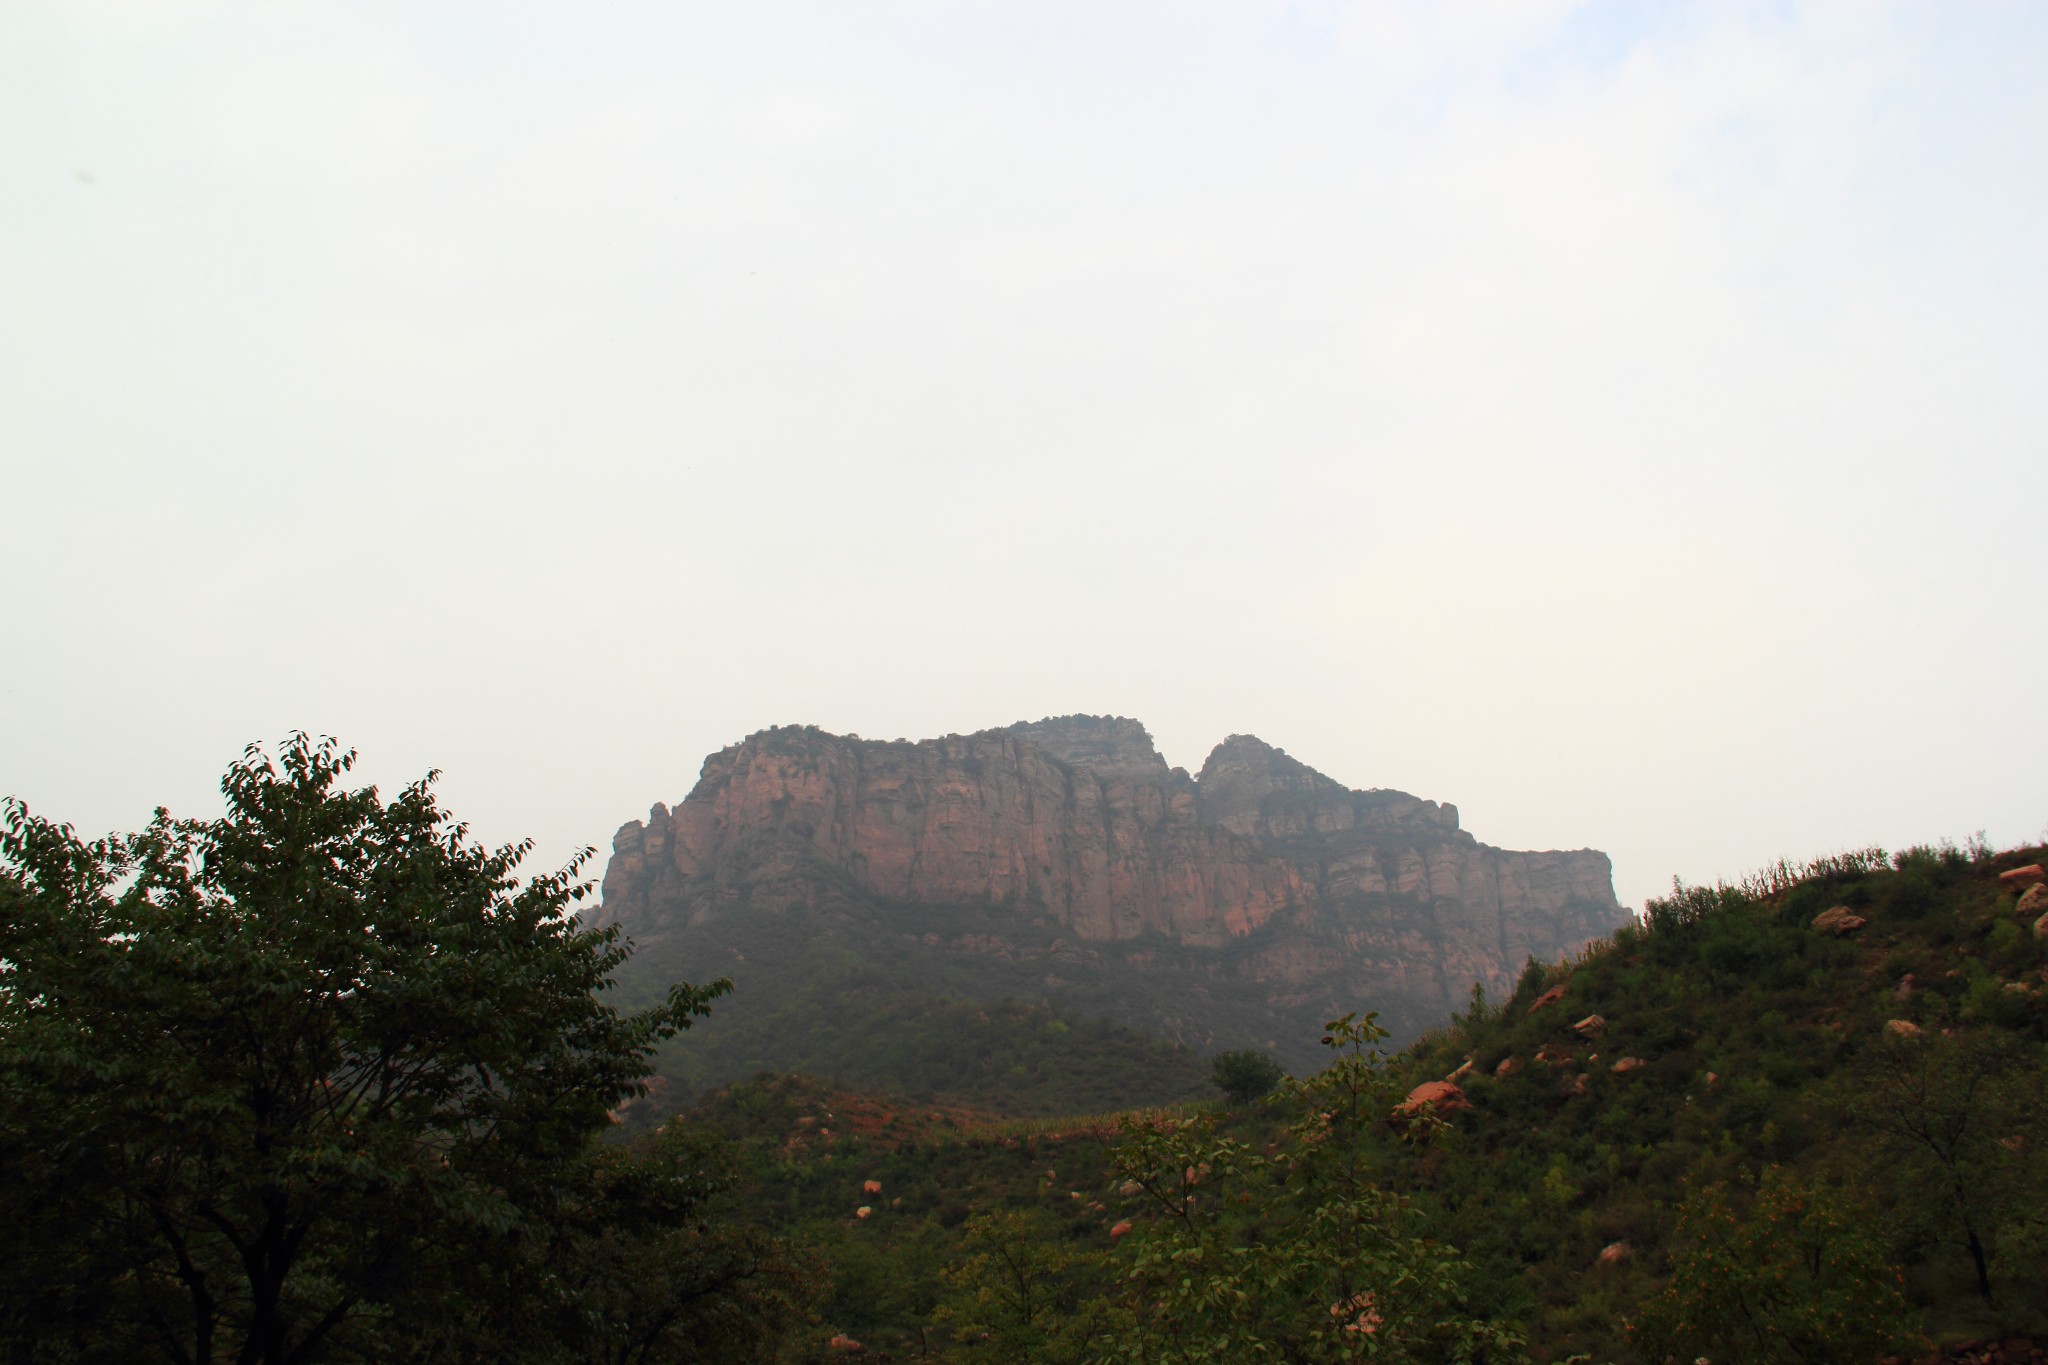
[(1064, 860)]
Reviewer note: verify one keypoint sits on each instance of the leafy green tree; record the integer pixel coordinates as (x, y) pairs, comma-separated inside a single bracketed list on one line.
[(273, 1083), (639, 1265), (1301, 1254), (1797, 1271), (1245, 1076), (1023, 1290), (1960, 1122)]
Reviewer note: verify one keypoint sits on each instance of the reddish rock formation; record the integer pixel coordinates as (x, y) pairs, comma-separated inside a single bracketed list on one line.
[(1838, 920), (1440, 1097), (2029, 875), (1086, 822), (1324, 896)]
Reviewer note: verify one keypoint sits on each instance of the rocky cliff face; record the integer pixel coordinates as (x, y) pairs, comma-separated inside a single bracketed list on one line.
[(1260, 876)]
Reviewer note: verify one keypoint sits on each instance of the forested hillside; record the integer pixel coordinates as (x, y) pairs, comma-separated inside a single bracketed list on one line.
[(1796, 1119)]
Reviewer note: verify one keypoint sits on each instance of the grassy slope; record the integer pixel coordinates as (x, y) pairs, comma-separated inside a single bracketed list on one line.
[(1538, 1179), (1534, 1179)]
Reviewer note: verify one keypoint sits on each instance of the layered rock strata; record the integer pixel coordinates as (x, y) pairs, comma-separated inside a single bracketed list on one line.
[(1260, 871)]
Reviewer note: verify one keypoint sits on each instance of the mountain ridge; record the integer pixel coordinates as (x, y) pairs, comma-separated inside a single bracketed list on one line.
[(1065, 858)]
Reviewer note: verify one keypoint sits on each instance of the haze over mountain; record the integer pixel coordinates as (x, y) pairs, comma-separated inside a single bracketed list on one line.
[(1065, 860)]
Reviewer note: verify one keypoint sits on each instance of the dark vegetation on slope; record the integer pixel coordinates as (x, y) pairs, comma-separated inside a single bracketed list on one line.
[(863, 1006), (1002, 1059), (1743, 1159)]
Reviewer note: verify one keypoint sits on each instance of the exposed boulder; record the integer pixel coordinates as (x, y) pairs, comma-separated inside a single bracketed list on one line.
[(2030, 875), (1464, 1070), (1508, 1067), (1592, 1026), (2041, 928), (1901, 1028), (1628, 1064), (1439, 1097), (1838, 920), (2034, 900), (1614, 1253), (1579, 1084), (1549, 997)]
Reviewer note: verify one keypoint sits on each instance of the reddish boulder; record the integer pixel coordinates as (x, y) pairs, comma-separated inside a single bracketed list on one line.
[(1901, 1028), (1592, 1026), (1838, 920), (1614, 1253), (1508, 1067), (1439, 1097), (1549, 997), (2024, 876), (1628, 1064), (2034, 900)]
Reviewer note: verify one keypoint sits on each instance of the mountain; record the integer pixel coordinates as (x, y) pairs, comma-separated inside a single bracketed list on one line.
[(1063, 860)]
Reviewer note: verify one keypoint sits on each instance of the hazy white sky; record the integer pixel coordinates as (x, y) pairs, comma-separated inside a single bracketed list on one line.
[(1629, 422)]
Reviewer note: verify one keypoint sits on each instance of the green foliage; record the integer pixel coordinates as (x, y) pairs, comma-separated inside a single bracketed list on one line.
[(1788, 1270), (1245, 1076), (1762, 1043), (1954, 1118), (1024, 1290), (298, 1082), (1307, 1254), (864, 1030)]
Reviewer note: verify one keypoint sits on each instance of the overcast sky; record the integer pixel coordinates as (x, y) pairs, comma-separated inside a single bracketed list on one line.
[(1629, 422)]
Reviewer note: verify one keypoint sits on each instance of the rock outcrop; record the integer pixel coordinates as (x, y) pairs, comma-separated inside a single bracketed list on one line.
[(1838, 920), (1259, 870)]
